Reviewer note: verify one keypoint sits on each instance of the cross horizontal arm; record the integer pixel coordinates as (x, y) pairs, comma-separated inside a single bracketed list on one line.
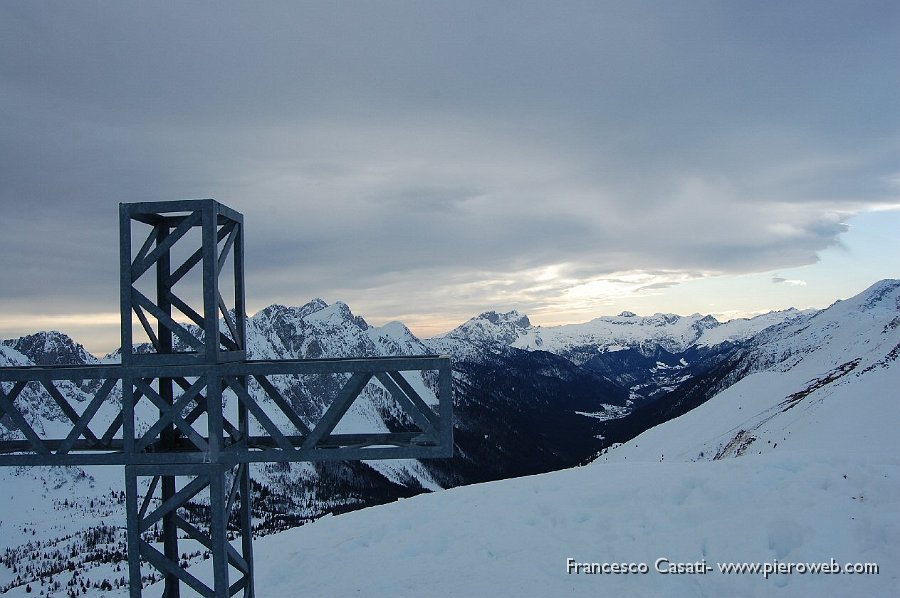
[(78, 445)]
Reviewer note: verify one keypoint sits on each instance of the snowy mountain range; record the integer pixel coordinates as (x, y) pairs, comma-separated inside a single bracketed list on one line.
[(578, 389), (787, 482), (580, 342), (650, 356)]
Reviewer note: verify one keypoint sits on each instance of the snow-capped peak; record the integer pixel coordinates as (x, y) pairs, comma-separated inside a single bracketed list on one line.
[(51, 348), (337, 312), (490, 331), (276, 310), (883, 296), (394, 338)]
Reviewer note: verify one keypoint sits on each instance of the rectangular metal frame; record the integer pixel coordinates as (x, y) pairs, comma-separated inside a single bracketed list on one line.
[(118, 443), (170, 221), (224, 499)]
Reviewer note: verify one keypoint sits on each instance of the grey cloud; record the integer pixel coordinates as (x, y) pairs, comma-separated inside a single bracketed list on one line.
[(444, 143), (657, 285)]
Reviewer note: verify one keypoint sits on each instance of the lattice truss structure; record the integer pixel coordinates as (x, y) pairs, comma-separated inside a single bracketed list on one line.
[(186, 412)]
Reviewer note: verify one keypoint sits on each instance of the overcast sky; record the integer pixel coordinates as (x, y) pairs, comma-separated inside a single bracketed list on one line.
[(425, 161)]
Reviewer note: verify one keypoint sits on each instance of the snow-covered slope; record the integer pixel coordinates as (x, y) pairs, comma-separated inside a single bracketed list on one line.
[(819, 483), (740, 329), (10, 358), (813, 382), (514, 538)]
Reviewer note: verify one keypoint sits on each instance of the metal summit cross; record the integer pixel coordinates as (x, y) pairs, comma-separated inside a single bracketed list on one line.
[(181, 415)]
